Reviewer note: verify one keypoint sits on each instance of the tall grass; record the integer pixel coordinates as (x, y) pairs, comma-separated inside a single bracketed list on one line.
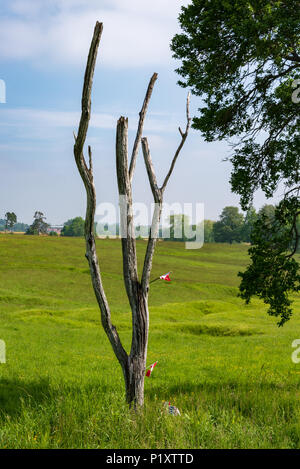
[(226, 366)]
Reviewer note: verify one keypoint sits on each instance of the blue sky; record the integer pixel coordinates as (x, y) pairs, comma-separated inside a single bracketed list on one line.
[(43, 49)]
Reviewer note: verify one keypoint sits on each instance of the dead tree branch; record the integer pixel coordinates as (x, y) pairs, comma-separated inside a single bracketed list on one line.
[(141, 125), (183, 139), (158, 197)]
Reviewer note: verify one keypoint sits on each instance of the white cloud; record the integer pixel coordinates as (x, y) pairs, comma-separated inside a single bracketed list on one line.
[(30, 122), (30, 117), (136, 33)]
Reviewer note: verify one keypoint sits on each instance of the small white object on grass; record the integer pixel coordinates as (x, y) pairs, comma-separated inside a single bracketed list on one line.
[(171, 409)]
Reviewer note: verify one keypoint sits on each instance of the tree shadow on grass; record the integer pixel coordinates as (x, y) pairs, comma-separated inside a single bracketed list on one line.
[(225, 390), (16, 394)]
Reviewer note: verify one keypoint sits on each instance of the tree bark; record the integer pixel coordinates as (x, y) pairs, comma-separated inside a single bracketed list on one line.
[(134, 380), (138, 300)]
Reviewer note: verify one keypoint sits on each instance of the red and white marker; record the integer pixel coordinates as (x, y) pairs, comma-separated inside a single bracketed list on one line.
[(166, 277), (150, 369)]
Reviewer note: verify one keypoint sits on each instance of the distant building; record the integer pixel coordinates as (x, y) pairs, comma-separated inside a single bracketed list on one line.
[(56, 228)]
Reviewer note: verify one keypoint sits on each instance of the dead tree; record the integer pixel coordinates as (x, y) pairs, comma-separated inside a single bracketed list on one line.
[(133, 364)]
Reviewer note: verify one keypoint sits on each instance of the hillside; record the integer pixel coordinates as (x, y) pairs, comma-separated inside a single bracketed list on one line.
[(225, 365)]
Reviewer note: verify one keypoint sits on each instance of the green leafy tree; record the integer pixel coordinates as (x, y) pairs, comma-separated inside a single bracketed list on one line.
[(10, 220), (17, 226), (39, 226), (73, 227), (298, 231), (274, 272), (242, 57), (267, 212), (229, 228)]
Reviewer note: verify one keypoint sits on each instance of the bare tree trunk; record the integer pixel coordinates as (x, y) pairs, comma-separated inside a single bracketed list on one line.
[(134, 380), (134, 364), (138, 300)]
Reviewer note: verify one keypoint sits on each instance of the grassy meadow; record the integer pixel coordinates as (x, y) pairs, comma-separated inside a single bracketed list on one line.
[(225, 365)]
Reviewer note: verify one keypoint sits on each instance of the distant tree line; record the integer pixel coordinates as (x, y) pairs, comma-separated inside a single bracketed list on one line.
[(232, 226), (11, 224)]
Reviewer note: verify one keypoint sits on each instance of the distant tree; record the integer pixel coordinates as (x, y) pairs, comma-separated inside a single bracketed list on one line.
[(229, 228), (10, 220), (249, 221), (73, 227), (39, 226), (268, 212), (53, 233), (273, 272), (207, 227), (209, 231)]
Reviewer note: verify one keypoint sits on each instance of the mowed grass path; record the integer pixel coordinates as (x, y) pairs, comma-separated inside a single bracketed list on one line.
[(226, 366)]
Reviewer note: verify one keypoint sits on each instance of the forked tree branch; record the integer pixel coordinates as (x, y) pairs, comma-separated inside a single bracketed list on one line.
[(158, 197), (87, 177), (125, 177), (141, 125), (183, 139), (134, 375)]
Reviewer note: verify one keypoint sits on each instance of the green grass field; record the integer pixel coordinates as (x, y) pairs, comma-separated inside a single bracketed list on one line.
[(226, 366)]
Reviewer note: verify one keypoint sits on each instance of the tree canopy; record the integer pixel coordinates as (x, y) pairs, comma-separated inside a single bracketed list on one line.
[(208, 231), (10, 220), (242, 57), (229, 228), (249, 221)]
